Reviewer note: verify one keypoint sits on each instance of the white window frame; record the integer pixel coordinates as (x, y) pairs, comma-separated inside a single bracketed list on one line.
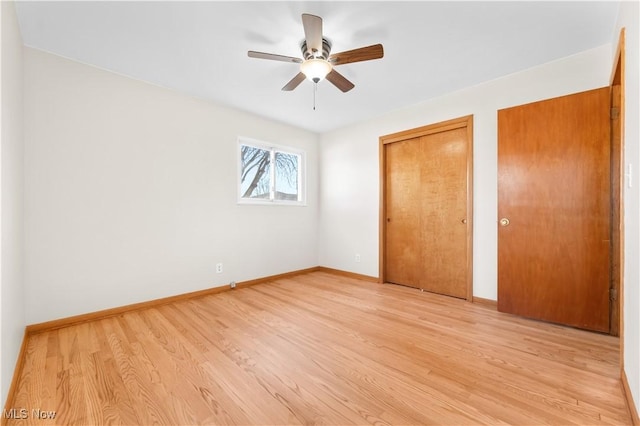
[(273, 149)]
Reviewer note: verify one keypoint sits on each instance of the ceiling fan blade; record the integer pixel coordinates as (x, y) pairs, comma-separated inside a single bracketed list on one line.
[(273, 57), (313, 33), (339, 81), (357, 55), (295, 81)]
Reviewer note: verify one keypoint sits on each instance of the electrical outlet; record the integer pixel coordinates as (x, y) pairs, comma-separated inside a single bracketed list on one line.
[(232, 284), (218, 268), (358, 257)]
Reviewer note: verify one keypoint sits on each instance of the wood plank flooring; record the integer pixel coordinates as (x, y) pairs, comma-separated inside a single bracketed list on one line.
[(321, 349)]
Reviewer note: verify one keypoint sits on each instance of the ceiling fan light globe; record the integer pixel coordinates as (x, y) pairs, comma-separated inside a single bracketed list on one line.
[(315, 69)]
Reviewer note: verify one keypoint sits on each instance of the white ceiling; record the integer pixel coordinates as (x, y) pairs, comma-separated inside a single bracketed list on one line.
[(431, 48)]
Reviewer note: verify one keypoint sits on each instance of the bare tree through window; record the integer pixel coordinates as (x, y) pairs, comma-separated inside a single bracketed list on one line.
[(286, 177), (269, 174), (255, 172)]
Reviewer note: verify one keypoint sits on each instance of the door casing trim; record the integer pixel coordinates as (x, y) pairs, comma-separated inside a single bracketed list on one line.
[(618, 78)]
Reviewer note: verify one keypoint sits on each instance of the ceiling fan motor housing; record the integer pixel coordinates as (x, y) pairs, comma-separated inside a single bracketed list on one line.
[(307, 54)]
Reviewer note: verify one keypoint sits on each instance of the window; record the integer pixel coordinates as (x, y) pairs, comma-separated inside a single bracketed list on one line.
[(270, 174)]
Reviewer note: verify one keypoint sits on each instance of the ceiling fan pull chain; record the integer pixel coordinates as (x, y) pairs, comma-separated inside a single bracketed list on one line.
[(315, 89)]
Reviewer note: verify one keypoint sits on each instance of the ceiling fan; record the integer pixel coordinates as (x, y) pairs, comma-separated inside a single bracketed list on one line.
[(318, 62)]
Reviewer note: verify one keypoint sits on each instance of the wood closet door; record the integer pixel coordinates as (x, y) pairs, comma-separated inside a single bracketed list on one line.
[(403, 236), (554, 210), (426, 212)]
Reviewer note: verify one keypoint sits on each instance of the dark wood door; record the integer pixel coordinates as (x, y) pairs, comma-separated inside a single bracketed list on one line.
[(427, 213), (554, 210)]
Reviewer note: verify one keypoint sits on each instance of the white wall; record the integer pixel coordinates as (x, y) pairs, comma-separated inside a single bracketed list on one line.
[(629, 17), (349, 162), (130, 193), (12, 298)]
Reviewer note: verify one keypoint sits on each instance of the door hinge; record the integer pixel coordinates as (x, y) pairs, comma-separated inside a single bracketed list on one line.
[(613, 294), (614, 113)]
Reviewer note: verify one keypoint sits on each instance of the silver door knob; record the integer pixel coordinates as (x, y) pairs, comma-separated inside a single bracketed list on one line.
[(504, 222)]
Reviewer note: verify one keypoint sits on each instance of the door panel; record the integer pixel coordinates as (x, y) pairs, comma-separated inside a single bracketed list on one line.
[(403, 243), (554, 189), (444, 212), (426, 238)]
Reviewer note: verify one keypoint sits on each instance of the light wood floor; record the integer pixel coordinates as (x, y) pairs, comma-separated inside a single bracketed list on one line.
[(322, 349)]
